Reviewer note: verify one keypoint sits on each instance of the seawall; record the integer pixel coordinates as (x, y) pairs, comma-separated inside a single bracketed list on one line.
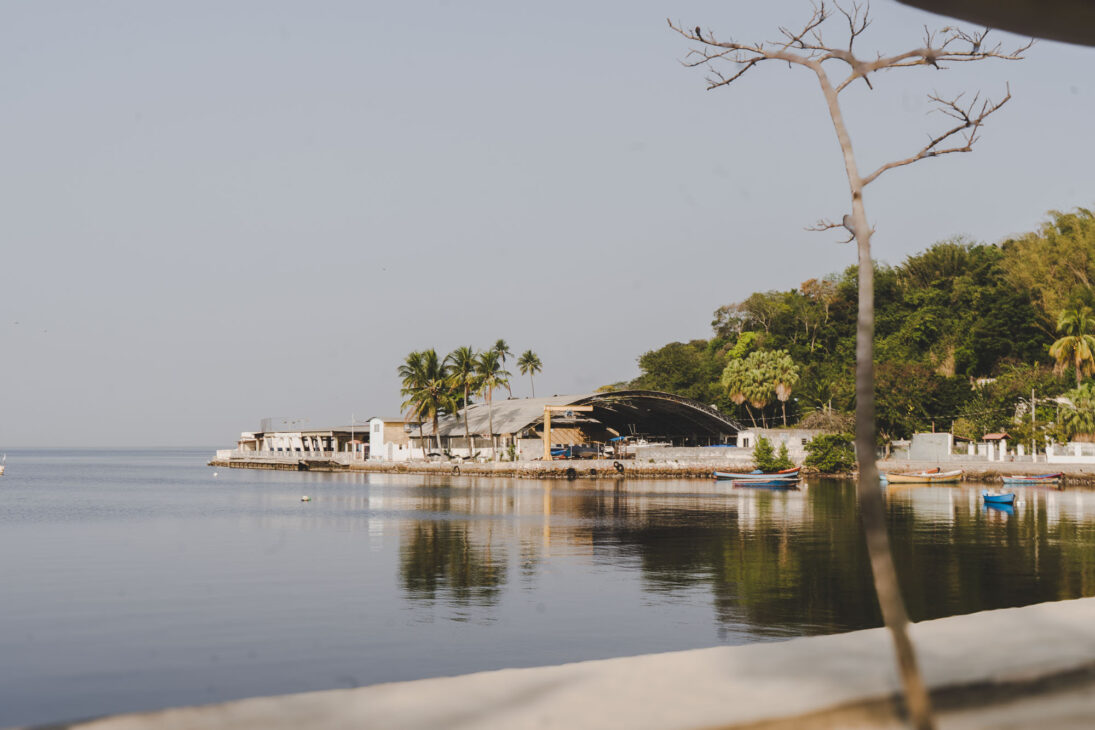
[(1010, 668), (975, 471)]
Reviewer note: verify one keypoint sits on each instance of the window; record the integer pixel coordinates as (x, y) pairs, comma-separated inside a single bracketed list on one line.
[(376, 428)]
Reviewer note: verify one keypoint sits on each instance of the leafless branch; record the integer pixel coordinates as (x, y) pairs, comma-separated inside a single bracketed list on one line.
[(806, 47), (970, 117), (824, 224)]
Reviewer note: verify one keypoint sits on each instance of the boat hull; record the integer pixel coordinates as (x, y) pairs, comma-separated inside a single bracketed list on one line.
[(745, 476), (768, 484), (1033, 479), (998, 498), (945, 477)]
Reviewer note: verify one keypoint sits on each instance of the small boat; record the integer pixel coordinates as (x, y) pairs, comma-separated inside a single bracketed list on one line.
[(766, 483), (3, 463), (1033, 478), (990, 498), (758, 474), (931, 476)]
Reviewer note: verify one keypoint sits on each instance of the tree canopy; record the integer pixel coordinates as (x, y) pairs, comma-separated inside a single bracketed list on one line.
[(963, 333)]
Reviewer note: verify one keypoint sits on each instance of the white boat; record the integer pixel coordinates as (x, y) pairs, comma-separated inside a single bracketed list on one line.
[(3, 463)]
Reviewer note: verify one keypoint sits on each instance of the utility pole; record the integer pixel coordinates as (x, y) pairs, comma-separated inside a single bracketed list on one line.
[(547, 423), (1033, 441)]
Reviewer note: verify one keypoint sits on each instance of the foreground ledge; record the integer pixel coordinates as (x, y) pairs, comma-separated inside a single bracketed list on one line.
[(1007, 668)]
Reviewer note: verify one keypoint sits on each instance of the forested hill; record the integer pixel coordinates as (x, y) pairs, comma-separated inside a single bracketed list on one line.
[(963, 332)]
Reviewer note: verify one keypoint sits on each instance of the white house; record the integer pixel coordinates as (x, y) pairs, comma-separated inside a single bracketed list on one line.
[(389, 439)]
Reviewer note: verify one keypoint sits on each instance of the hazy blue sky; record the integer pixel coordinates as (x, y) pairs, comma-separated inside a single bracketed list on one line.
[(219, 211)]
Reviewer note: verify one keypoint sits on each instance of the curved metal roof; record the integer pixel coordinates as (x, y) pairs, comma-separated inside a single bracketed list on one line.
[(624, 411), (1071, 21)]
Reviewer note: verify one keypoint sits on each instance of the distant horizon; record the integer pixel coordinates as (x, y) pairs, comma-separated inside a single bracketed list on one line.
[(269, 225)]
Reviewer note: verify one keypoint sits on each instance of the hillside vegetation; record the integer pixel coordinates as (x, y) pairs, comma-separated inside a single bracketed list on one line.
[(964, 332)]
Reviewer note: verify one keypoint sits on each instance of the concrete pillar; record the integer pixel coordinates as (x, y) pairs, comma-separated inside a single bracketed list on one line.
[(971, 449)]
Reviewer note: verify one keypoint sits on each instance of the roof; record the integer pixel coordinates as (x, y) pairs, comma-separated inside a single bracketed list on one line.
[(1071, 21), (996, 436), (627, 411)]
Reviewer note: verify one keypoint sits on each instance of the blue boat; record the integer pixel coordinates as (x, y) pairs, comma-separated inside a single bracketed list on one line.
[(766, 484), (757, 474), (998, 498)]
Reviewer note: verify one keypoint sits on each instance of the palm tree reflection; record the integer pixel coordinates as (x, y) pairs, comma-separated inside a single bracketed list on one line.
[(440, 561)]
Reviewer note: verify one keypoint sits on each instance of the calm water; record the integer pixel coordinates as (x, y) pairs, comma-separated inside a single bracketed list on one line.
[(141, 580)]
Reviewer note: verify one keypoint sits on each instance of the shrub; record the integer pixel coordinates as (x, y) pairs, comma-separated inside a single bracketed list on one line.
[(830, 453), (765, 458)]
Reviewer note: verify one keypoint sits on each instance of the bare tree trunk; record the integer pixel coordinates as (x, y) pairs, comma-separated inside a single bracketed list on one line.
[(868, 491), (807, 49), (747, 410)]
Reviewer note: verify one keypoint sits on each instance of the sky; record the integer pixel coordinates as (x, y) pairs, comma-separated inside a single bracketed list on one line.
[(219, 212)]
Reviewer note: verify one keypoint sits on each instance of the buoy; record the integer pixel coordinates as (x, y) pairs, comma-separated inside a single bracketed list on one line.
[(305, 498), (214, 473)]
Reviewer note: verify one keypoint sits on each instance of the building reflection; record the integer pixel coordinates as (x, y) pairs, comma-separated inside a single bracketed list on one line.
[(773, 563)]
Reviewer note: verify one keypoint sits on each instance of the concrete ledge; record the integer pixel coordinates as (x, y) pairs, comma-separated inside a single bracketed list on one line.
[(843, 680)]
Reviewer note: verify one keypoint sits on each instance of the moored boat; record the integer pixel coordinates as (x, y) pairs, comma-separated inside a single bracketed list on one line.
[(931, 476), (766, 483), (759, 475), (1005, 498), (1034, 478)]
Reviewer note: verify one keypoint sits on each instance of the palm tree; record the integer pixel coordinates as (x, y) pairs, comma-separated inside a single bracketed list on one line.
[(1081, 417), (502, 348), (410, 373), (736, 381), (529, 364), (785, 376), (427, 391), (490, 376), (462, 376), (1077, 347)]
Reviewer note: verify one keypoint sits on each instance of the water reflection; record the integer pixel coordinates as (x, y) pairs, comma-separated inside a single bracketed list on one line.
[(442, 560), (770, 563)]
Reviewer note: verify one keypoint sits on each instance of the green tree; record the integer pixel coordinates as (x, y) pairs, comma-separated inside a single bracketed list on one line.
[(1080, 417), (426, 389), (529, 364), (490, 375), (764, 456), (784, 374), (735, 380), (463, 378), (1054, 261), (830, 453), (1077, 347)]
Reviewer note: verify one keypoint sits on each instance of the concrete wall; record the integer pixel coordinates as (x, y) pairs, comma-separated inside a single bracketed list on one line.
[(714, 455), (1000, 664), (931, 447)]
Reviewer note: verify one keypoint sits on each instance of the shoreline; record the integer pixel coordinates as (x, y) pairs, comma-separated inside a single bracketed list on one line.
[(977, 471)]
